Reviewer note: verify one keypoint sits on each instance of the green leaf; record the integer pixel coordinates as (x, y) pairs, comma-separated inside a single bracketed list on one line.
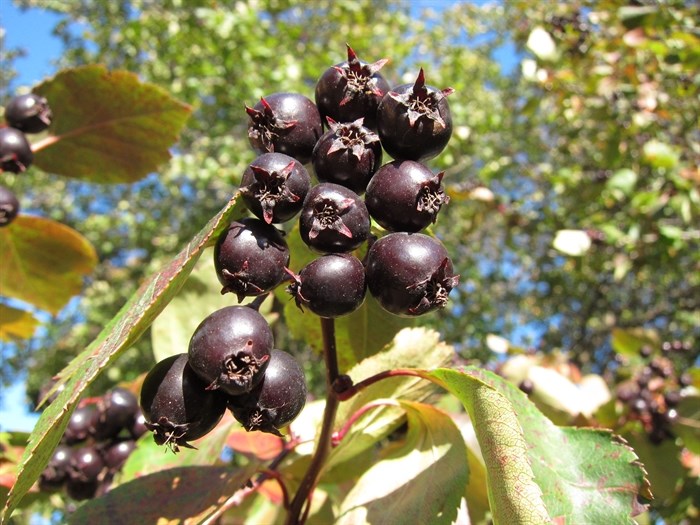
[(44, 262), (660, 154), (178, 495), (107, 126), (16, 324), (687, 425), (623, 181), (537, 470), (411, 347), (423, 476), (629, 341), (121, 332)]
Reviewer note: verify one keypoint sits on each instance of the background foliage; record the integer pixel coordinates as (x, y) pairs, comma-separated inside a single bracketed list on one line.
[(573, 170)]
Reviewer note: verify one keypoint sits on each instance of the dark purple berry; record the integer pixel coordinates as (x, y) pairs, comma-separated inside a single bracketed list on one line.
[(348, 155), (177, 405), (330, 286), (352, 90), (333, 219), (277, 400), (409, 273), (9, 206), (115, 412), (86, 464), (81, 490), (250, 257), (526, 386), (15, 151), (230, 349), (116, 454), (274, 186), (138, 425), (286, 123), (80, 424), (29, 113), (56, 472), (405, 195), (414, 120)]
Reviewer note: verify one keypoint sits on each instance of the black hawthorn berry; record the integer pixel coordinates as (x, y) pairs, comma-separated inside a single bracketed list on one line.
[(274, 186), (177, 405), (286, 123), (29, 113), (56, 472), (277, 400), (80, 424), (9, 206), (333, 219), (138, 425), (249, 258), (352, 90), (15, 151), (414, 120), (85, 470), (230, 349), (405, 195), (409, 273), (115, 411), (348, 154), (330, 286), (116, 454)]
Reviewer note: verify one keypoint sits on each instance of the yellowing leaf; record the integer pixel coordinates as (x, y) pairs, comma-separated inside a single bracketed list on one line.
[(107, 126), (44, 262), (16, 324), (422, 477)]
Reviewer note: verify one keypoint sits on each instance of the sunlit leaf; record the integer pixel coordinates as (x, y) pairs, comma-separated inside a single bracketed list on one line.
[(107, 125), (16, 324), (541, 43), (572, 242), (124, 329), (423, 476), (629, 341), (660, 155), (44, 262)]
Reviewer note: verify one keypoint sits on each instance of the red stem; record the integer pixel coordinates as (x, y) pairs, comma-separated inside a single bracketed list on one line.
[(354, 389)]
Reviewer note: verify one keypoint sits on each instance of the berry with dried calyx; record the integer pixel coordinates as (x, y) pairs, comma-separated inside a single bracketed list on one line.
[(15, 151), (414, 120), (250, 257), (9, 206), (274, 187), (230, 349), (29, 113)]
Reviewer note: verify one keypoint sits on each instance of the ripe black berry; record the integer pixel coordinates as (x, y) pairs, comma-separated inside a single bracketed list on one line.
[(230, 349), (287, 123), (9, 206), (351, 90), (115, 411), (409, 273), (405, 195), (86, 464), (250, 257), (348, 154), (274, 187), (80, 424), (333, 219), (277, 400), (56, 472), (28, 113), (414, 120), (15, 151), (177, 405), (330, 286), (138, 426), (116, 454)]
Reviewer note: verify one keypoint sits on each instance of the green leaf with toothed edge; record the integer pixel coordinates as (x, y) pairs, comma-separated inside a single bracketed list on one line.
[(537, 470), (121, 332)]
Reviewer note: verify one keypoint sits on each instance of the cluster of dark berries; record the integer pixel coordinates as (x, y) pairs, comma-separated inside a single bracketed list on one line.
[(23, 114), (654, 391), (231, 361), (100, 435)]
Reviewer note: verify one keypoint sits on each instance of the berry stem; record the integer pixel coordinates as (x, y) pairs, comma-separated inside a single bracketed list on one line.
[(295, 516), (354, 389)]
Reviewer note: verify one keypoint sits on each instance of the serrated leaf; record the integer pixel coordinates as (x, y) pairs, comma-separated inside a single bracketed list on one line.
[(16, 324), (422, 477), (44, 262), (119, 334), (572, 242), (186, 495), (108, 126), (411, 347), (536, 469)]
